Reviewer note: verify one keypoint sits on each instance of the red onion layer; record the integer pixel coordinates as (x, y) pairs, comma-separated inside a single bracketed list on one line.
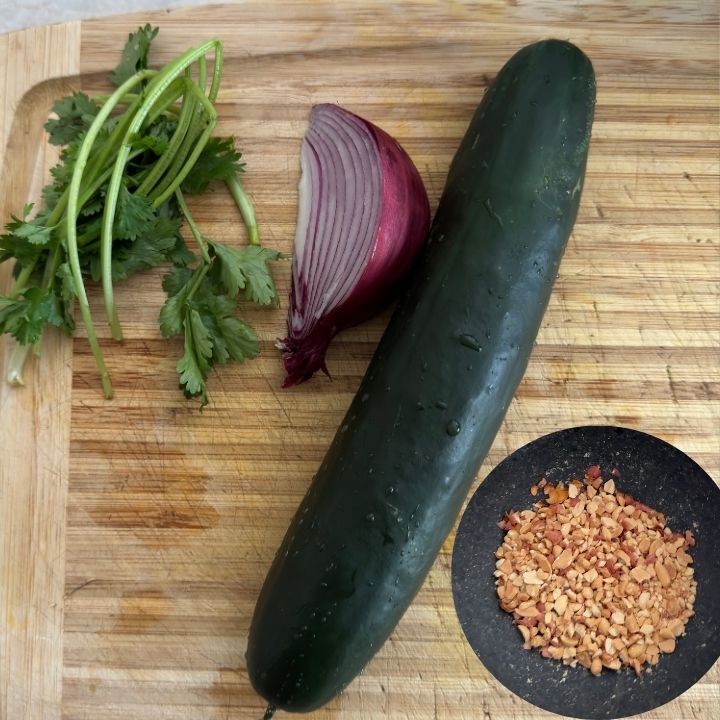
[(363, 217)]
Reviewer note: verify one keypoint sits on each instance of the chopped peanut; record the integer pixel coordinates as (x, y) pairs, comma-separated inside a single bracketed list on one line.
[(594, 577)]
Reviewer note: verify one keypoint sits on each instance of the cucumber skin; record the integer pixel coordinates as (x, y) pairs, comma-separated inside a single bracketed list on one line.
[(395, 477)]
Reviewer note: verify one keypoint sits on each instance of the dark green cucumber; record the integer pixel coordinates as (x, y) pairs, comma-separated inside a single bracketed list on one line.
[(433, 398)]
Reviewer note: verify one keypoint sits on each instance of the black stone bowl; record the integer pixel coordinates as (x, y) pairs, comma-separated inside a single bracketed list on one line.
[(654, 473)]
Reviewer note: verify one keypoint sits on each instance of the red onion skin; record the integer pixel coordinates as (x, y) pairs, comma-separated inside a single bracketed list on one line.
[(402, 232)]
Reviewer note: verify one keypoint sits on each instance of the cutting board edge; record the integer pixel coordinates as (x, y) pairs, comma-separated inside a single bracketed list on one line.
[(34, 490)]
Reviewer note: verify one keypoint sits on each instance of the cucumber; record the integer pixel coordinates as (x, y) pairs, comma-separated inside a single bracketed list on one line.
[(435, 393)]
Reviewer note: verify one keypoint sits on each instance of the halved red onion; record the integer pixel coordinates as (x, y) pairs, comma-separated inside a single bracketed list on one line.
[(363, 217)]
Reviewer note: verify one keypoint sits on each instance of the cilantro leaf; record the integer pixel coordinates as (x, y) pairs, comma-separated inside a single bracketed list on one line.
[(146, 251), (247, 269), (66, 284), (172, 315), (25, 240), (219, 160), (64, 293), (75, 114), (213, 308), (158, 242), (35, 231), (62, 172), (177, 284), (260, 285), (60, 315), (158, 145), (157, 136), (134, 214), (204, 312), (135, 54), (94, 205), (179, 254), (201, 337), (228, 264), (51, 194), (25, 317), (194, 366), (231, 337), (240, 339), (174, 281), (24, 254)]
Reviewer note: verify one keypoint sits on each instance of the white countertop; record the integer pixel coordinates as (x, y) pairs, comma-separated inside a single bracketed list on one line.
[(16, 15)]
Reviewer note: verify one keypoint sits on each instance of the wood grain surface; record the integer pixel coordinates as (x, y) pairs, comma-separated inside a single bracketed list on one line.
[(135, 534)]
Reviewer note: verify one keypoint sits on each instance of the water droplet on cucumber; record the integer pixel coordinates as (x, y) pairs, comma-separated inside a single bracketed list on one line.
[(470, 341), (453, 428)]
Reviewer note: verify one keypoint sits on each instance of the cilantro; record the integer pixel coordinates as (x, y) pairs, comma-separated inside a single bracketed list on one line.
[(62, 172), (74, 116), (157, 145), (66, 287), (172, 315), (194, 365), (35, 231), (25, 239), (173, 282), (136, 130), (158, 136), (135, 214), (145, 251), (219, 160), (135, 54), (179, 254), (260, 287), (24, 318), (239, 339), (228, 268), (247, 269), (94, 205), (203, 294), (51, 195)]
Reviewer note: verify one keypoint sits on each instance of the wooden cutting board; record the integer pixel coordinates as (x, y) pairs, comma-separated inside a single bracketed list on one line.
[(134, 534)]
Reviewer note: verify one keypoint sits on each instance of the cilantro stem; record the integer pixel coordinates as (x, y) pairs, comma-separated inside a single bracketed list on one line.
[(189, 164), (101, 180), (73, 211), (153, 91), (22, 278), (51, 267), (15, 366), (167, 100), (200, 274), (245, 207), (20, 352), (202, 73), (186, 113), (129, 99), (217, 71), (181, 166), (180, 156), (118, 132), (199, 239)]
